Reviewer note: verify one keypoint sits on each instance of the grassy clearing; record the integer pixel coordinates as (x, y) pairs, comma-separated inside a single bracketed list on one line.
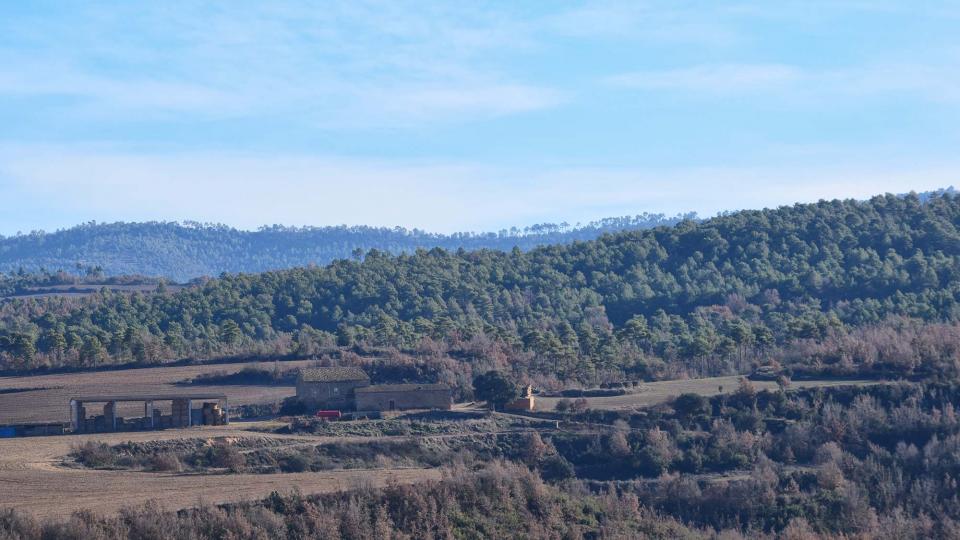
[(660, 392)]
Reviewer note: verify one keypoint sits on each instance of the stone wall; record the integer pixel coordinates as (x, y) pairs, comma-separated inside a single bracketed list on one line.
[(328, 395), (403, 399)]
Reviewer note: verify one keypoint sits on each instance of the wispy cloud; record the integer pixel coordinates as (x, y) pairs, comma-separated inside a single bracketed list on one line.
[(248, 191), (492, 99), (34, 78), (243, 112), (930, 82), (346, 63), (718, 78)]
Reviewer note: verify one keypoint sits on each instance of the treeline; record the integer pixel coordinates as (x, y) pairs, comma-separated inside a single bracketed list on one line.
[(189, 250), (866, 287), (22, 282)]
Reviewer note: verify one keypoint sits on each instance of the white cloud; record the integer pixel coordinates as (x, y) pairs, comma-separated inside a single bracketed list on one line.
[(33, 78), (939, 83), (59, 187), (645, 21), (930, 82), (491, 99), (344, 64), (719, 78)]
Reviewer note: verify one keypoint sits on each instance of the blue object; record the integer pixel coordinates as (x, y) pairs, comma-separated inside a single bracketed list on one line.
[(7, 432)]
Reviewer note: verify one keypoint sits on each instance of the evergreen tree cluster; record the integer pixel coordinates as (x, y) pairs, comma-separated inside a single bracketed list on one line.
[(184, 251), (698, 298)]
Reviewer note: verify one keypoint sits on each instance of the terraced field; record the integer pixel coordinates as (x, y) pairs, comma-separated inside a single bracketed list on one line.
[(34, 479), (659, 392)]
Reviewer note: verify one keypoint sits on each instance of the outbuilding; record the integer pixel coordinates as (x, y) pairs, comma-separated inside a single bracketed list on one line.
[(390, 397)]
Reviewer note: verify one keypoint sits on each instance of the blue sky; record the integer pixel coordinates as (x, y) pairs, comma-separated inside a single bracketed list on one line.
[(466, 115)]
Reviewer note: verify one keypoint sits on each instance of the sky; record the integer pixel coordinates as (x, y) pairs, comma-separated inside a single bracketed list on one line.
[(455, 116)]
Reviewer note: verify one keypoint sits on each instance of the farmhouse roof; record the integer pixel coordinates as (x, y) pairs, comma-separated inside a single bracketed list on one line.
[(98, 398), (333, 374), (402, 388)]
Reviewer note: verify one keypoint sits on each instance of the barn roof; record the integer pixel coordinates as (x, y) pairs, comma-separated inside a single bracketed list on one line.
[(98, 398), (333, 374), (402, 388)]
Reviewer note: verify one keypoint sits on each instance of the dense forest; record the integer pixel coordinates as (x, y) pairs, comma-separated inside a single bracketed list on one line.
[(185, 251), (838, 287)]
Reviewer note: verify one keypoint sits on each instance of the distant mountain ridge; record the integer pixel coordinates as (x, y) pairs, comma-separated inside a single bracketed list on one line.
[(182, 251)]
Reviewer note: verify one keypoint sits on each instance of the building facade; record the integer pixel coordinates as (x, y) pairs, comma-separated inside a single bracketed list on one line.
[(524, 403), (330, 387), (390, 397)]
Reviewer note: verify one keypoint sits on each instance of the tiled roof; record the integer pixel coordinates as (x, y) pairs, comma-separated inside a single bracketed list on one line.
[(333, 374), (401, 388)]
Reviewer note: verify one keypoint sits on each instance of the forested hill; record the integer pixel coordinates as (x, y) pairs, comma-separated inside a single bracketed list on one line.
[(844, 287), (184, 251)]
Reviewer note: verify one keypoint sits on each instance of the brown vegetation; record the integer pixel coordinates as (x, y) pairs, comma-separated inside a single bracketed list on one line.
[(35, 480)]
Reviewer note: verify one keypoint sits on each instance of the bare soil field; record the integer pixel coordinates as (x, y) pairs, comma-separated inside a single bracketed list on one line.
[(46, 398), (33, 478), (659, 392)]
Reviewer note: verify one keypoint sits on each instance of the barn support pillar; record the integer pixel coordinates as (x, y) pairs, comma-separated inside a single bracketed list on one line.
[(110, 414), (148, 412), (76, 423)]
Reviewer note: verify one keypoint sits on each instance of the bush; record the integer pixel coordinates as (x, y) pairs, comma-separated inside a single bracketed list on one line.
[(165, 462), (226, 456), (563, 405), (580, 405), (294, 463), (555, 468), (293, 407), (691, 405), (94, 455), (18, 525)]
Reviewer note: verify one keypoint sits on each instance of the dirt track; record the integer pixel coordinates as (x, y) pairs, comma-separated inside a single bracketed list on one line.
[(33, 479)]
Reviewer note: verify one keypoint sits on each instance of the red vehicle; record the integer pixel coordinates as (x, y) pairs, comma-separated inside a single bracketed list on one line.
[(328, 415)]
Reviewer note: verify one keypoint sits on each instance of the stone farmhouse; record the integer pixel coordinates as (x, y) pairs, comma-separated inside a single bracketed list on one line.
[(350, 388), (330, 387)]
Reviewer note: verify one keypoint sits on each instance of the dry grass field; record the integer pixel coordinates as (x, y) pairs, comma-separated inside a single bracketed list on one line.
[(45, 398), (33, 479), (659, 392)]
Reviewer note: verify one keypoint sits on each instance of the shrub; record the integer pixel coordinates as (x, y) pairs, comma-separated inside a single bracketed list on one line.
[(691, 405), (580, 405), (226, 456), (294, 463), (555, 468), (165, 462), (94, 454), (293, 407)]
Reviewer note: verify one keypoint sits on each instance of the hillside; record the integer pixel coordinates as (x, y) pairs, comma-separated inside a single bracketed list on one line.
[(840, 287), (185, 251)]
